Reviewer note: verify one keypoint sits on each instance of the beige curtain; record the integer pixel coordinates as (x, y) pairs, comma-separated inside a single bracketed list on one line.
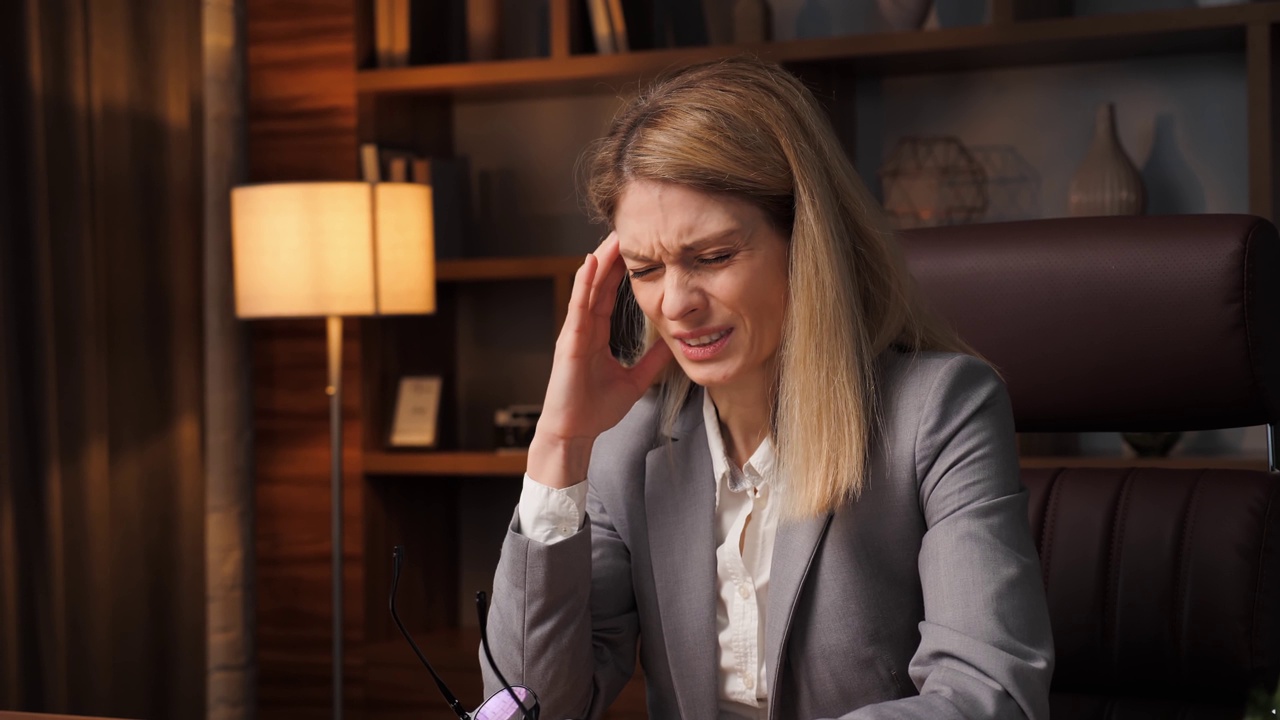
[(232, 670), (102, 492)]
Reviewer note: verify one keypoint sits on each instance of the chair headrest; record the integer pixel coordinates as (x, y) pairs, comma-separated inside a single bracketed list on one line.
[(1116, 324)]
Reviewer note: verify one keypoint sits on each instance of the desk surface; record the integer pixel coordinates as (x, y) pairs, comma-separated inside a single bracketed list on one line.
[(10, 715)]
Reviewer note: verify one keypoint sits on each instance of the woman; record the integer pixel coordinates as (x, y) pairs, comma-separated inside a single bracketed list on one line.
[(817, 512)]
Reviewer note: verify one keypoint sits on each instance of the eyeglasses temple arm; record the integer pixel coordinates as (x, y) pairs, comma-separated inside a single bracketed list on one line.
[(397, 559)]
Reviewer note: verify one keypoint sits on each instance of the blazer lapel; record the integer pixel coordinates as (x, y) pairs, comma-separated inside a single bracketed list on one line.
[(793, 550), (680, 507)]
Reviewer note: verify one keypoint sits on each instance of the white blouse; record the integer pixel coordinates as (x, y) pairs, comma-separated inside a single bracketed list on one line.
[(746, 523)]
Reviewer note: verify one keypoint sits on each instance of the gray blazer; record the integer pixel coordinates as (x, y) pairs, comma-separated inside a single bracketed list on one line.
[(922, 599)]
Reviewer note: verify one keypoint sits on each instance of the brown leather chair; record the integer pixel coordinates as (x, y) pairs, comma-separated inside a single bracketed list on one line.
[(1163, 584)]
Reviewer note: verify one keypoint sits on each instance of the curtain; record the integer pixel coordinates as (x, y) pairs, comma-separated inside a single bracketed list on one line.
[(228, 415), (102, 488)]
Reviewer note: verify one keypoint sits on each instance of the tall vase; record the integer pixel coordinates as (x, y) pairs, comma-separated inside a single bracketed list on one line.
[(1107, 182), (904, 14)]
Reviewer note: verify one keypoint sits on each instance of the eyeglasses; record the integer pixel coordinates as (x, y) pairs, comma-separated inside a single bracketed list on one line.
[(506, 704)]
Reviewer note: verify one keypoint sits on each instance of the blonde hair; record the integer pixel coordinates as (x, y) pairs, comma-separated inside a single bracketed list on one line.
[(749, 129)]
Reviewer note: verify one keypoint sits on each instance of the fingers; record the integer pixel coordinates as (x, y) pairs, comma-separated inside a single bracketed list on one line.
[(580, 296), (608, 277)]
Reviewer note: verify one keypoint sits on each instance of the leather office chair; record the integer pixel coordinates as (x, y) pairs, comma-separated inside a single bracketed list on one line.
[(1163, 584)]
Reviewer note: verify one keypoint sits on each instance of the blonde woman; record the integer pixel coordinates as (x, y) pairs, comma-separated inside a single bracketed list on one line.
[(801, 500)]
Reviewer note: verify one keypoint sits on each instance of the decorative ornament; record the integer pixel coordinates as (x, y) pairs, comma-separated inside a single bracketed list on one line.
[(1107, 182), (931, 181), (902, 15)]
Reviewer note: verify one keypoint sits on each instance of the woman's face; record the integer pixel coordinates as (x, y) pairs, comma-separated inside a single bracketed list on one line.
[(710, 273)]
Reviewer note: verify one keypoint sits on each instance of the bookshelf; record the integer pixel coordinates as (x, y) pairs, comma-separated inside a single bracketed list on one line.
[(411, 106), (1046, 41)]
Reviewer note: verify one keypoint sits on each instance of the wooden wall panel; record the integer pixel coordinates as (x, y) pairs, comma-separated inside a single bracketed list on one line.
[(302, 126), (291, 433), (302, 95)]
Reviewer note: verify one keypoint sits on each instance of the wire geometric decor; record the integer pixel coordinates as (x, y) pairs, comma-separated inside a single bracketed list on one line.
[(1013, 186), (933, 180)]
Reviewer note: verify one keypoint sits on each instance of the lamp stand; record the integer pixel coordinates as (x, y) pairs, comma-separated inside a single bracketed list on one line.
[(334, 390)]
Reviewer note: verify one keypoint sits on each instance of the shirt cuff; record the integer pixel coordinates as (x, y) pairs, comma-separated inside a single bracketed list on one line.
[(548, 515)]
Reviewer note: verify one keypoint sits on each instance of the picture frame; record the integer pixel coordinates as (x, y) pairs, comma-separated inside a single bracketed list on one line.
[(417, 411)]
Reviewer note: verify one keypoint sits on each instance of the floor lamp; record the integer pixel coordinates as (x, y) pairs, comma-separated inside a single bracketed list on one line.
[(333, 249)]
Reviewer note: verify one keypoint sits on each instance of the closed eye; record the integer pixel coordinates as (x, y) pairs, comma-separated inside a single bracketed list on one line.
[(642, 272), (715, 259)]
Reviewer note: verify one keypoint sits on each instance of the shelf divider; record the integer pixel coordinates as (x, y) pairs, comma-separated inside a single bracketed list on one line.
[(448, 463)]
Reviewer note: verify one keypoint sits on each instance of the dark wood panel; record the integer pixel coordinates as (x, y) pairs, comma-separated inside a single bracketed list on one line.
[(292, 538), (301, 60), (302, 110)]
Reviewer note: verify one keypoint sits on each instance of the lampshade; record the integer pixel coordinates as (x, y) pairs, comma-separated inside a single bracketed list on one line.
[(333, 248)]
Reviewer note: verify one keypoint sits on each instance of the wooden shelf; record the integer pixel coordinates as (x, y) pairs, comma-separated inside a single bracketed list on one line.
[(1058, 40), (483, 269), (445, 463), (1180, 462)]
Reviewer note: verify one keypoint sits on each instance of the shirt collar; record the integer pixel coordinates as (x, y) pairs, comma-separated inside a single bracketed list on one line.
[(759, 467)]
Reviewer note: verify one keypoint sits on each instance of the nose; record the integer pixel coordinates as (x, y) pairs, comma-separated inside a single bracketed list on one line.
[(680, 296)]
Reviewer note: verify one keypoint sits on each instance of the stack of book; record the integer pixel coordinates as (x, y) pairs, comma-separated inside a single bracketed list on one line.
[(450, 182), (608, 26)]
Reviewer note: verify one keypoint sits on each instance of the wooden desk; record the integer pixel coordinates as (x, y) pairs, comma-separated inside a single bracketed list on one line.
[(10, 715)]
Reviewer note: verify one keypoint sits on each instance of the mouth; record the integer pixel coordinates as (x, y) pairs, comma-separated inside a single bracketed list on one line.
[(706, 345), (702, 340)]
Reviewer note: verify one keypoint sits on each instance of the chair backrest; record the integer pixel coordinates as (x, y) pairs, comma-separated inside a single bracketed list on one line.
[(1163, 584)]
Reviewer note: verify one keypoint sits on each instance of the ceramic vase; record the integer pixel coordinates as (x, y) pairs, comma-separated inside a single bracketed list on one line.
[(903, 15), (1107, 182)]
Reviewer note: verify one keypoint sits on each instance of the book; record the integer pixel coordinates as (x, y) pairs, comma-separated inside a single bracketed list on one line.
[(382, 26), (602, 26), (618, 26), (450, 181), (400, 20), (484, 30), (398, 168), (679, 23), (639, 23), (437, 31), (370, 167)]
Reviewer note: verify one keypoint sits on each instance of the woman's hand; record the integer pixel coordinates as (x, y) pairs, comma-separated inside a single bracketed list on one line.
[(589, 390)]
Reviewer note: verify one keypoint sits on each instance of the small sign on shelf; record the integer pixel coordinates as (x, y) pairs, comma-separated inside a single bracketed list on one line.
[(417, 409)]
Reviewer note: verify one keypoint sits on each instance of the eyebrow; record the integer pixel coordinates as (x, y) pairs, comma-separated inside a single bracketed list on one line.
[(689, 248)]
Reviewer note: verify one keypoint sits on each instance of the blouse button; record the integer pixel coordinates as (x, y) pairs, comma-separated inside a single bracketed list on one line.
[(744, 591), (748, 681)]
